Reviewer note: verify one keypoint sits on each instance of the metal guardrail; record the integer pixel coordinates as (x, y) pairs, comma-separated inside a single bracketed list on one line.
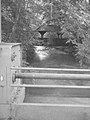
[(44, 110), (66, 91), (53, 76), (61, 90), (54, 105), (50, 69)]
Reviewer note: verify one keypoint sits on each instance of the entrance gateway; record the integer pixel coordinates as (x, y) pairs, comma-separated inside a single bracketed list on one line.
[(12, 91)]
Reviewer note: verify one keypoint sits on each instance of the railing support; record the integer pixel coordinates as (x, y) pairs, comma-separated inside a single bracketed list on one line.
[(0, 22), (52, 76)]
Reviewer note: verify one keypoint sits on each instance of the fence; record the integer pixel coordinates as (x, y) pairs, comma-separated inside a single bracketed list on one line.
[(53, 111)]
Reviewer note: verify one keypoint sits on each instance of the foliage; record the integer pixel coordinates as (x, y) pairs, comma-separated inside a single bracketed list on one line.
[(21, 17), (17, 23), (73, 17), (30, 53), (79, 19)]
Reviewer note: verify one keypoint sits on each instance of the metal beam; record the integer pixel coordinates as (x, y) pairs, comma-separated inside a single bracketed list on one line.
[(50, 69), (50, 86), (42, 112), (54, 76), (53, 105), (58, 90)]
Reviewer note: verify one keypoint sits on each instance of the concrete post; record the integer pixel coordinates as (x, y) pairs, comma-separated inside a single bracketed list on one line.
[(0, 21)]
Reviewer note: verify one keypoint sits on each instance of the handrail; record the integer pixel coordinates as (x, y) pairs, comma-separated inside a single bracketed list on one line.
[(51, 69), (52, 76), (59, 90), (51, 86), (53, 105)]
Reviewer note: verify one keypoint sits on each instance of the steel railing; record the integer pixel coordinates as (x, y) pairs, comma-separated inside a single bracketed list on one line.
[(66, 91)]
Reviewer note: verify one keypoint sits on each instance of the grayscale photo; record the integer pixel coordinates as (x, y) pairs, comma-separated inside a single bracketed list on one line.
[(44, 59)]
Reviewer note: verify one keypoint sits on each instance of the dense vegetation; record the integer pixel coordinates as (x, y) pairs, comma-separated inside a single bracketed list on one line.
[(22, 18)]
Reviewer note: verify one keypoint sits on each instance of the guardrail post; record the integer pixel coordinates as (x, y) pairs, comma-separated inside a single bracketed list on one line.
[(9, 57)]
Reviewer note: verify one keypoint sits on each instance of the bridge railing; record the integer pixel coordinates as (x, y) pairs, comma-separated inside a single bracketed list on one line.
[(50, 73), (53, 111)]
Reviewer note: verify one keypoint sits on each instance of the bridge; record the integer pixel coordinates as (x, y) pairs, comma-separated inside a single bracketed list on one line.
[(12, 89)]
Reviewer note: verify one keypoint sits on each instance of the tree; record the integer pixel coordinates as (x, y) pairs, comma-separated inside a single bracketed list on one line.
[(20, 18)]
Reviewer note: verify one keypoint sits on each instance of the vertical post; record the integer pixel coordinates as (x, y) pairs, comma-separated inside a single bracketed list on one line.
[(0, 21)]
